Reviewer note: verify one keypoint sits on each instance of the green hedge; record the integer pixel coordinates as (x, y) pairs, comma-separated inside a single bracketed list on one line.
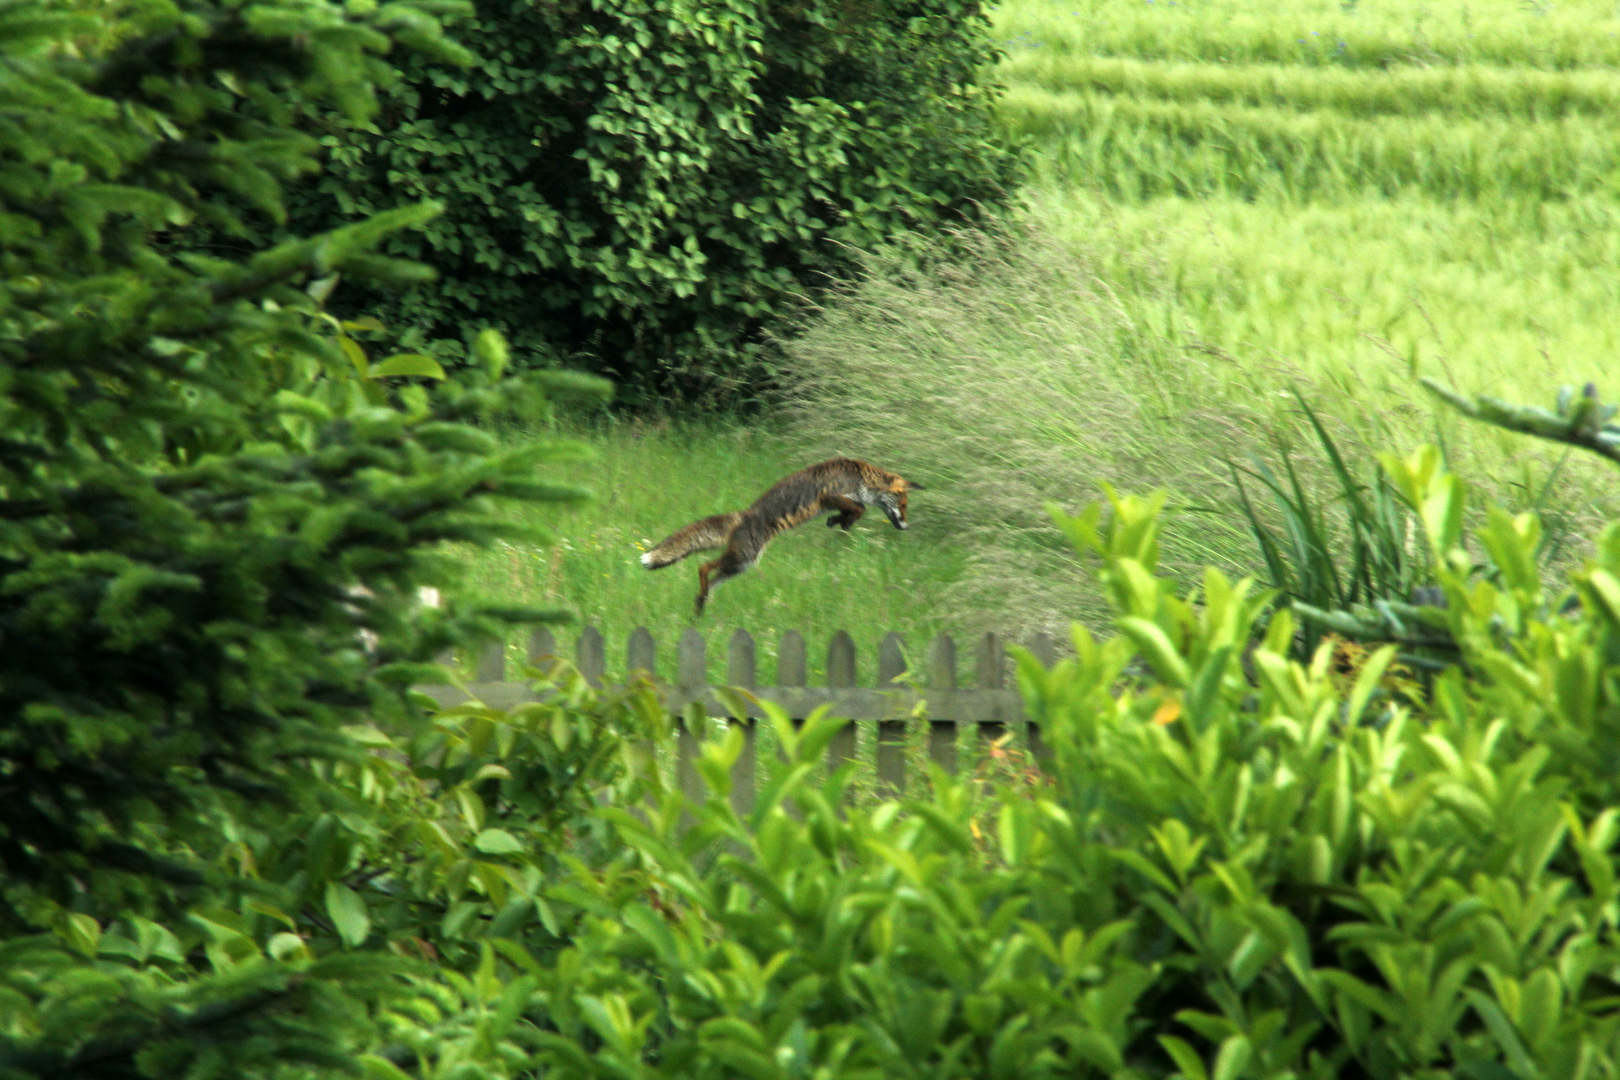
[(645, 185), (1237, 865)]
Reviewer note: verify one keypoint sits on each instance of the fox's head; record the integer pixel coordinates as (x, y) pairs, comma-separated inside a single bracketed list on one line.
[(893, 500)]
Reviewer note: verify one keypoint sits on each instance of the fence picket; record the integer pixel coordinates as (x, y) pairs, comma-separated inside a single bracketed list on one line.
[(641, 654), (691, 675), (841, 674), (1044, 649), (992, 664), (942, 676), (790, 660), (740, 672), (589, 655), (989, 707), (891, 734), (542, 646)]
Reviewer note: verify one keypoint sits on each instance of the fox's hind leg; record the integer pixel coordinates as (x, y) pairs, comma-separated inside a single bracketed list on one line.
[(710, 575), (848, 511)]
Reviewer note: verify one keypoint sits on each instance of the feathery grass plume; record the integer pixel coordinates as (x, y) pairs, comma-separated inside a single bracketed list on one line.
[(1003, 371)]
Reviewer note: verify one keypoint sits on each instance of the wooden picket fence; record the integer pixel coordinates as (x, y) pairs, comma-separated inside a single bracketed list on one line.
[(992, 707)]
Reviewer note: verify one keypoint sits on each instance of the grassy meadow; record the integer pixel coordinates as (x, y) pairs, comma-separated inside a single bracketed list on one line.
[(1364, 190), (1231, 201), (650, 479)]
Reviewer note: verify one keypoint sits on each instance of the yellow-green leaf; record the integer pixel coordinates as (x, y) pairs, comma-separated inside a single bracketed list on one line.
[(407, 364), (348, 913)]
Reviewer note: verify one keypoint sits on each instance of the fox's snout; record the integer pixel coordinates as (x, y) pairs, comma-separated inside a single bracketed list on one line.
[(896, 515)]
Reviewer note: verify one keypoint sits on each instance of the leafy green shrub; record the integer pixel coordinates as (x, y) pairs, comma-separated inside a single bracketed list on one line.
[(216, 514), (644, 185), (354, 928), (1294, 874)]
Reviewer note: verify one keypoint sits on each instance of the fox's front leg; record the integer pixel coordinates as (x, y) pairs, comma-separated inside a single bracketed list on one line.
[(847, 511)]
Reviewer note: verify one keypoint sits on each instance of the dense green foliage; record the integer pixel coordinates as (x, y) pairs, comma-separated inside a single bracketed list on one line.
[(234, 844), (1233, 865), (1236, 865), (644, 186), (216, 514)]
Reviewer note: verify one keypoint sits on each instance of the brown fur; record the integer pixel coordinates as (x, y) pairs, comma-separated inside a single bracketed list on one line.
[(843, 486)]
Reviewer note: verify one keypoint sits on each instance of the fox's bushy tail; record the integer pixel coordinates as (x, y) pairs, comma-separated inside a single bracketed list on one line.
[(704, 535)]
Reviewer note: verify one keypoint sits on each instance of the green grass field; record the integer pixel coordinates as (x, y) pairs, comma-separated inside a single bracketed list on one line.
[(651, 479), (1231, 200), (1348, 195), (1363, 190)]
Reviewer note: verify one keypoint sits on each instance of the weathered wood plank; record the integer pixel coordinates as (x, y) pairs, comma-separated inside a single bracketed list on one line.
[(891, 734), (841, 660), (740, 672), (641, 654), (691, 675), (590, 655), (856, 703), (542, 646), (992, 665), (491, 663), (941, 724), (791, 667), (1044, 648), (841, 675), (691, 660), (740, 660)]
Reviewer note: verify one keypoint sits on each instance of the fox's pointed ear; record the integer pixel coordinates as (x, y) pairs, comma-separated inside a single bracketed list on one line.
[(912, 485)]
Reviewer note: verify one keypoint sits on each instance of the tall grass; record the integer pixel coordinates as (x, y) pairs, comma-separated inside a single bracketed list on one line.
[(1470, 90), (1005, 372), (1363, 33), (1365, 295), (1352, 195), (1142, 146)]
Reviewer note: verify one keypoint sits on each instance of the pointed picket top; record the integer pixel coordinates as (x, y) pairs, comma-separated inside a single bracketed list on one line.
[(841, 660), (691, 666), (641, 653), (942, 663), (590, 655), (791, 669), (740, 667), (891, 658), (990, 662), (1043, 647), (542, 644)]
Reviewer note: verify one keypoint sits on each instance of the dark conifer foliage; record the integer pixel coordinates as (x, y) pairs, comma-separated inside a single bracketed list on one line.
[(216, 514)]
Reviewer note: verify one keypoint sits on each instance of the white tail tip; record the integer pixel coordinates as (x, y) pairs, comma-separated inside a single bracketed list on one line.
[(646, 558)]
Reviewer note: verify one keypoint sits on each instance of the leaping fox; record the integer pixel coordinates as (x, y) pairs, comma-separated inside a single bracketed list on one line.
[(843, 486)]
